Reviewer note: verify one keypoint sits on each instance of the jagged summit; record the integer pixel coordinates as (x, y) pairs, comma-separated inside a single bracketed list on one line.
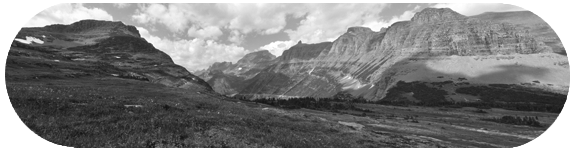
[(436, 14)]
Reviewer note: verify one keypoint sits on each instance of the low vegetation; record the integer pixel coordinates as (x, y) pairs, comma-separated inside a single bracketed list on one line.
[(516, 120), (130, 113), (503, 96)]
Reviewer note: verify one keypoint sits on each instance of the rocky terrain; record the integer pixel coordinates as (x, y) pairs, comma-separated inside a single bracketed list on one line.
[(483, 49)]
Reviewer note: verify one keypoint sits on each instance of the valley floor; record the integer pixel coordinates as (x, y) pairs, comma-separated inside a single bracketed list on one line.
[(115, 112)]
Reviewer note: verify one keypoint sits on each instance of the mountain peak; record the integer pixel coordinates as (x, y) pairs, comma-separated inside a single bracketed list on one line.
[(256, 58), (436, 14), (94, 27), (359, 29), (261, 52)]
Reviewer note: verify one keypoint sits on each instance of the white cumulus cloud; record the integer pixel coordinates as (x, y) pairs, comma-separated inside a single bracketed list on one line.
[(67, 14), (194, 54), (121, 5), (325, 22), (173, 17), (376, 25), (240, 19), (277, 47), (210, 32)]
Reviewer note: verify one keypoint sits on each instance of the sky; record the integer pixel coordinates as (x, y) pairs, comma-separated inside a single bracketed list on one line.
[(197, 35)]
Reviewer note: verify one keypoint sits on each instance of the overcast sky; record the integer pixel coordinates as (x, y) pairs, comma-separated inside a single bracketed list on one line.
[(197, 35)]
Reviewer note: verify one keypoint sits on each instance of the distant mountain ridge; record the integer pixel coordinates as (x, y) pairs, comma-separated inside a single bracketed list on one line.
[(367, 63), (227, 78)]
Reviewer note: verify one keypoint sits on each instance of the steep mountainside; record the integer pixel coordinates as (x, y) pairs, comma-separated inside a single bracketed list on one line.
[(537, 26), (367, 63), (228, 78), (91, 48)]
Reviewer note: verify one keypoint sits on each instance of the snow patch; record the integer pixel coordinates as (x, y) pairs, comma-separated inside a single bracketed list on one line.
[(240, 68), (351, 83), (29, 40)]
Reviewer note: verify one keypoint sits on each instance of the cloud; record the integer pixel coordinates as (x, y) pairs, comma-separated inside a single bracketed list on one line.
[(470, 9), (377, 25), (67, 14), (236, 37), (277, 47), (172, 16), (210, 32), (241, 19), (321, 22), (194, 54), (325, 22), (121, 5)]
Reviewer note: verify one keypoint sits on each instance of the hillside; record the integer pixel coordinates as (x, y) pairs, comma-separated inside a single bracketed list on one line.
[(95, 49)]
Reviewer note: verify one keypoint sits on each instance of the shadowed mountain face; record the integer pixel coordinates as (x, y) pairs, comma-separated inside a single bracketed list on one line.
[(367, 63), (91, 48)]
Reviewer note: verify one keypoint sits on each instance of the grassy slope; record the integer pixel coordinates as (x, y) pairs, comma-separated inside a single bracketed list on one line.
[(91, 113), (78, 104)]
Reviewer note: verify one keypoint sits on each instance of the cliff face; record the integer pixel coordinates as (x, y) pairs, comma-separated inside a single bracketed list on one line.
[(367, 63), (536, 26), (112, 48)]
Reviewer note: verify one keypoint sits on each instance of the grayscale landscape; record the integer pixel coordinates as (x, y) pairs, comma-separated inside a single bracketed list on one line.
[(429, 76)]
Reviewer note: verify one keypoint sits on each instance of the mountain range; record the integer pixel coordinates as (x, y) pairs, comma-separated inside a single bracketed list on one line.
[(437, 44)]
